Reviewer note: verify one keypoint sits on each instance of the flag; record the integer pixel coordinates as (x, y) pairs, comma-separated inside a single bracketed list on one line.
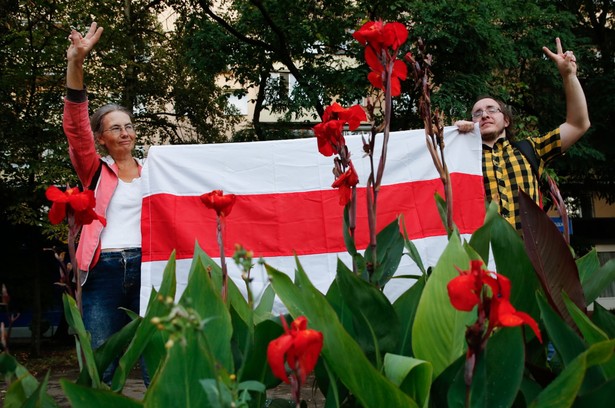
[(285, 204)]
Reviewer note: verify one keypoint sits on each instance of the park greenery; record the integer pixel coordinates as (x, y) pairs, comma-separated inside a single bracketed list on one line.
[(398, 359)]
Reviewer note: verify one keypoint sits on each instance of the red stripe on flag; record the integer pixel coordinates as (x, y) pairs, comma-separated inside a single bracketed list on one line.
[(302, 223)]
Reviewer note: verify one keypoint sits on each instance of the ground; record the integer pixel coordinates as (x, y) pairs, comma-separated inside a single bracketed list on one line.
[(61, 362)]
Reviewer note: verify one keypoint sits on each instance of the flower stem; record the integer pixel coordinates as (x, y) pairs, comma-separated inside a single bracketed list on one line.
[(221, 228)]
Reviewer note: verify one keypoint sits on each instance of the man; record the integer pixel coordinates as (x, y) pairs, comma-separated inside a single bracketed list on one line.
[(505, 168)]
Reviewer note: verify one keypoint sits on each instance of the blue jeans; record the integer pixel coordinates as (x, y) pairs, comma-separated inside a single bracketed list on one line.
[(114, 282)]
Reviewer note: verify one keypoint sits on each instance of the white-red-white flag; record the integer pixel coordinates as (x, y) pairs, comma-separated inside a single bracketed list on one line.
[(286, 206)]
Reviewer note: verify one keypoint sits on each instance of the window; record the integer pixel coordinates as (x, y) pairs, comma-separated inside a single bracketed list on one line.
[(239, 102)]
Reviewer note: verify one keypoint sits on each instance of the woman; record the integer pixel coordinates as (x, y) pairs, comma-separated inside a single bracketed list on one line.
[(109, 258)]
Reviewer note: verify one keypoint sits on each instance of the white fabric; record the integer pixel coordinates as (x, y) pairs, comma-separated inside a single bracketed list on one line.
[(296, 166)]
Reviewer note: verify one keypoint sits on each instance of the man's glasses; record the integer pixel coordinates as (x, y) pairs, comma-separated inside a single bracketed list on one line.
[(116, 130), (489, 111)]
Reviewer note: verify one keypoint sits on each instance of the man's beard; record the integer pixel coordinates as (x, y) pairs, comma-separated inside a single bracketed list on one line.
[(490, 136)]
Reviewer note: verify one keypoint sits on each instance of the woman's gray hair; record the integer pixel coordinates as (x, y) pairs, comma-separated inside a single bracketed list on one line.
[(97, 117)]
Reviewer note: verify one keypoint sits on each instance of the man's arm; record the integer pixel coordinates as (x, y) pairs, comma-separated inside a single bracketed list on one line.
[(577, 116)]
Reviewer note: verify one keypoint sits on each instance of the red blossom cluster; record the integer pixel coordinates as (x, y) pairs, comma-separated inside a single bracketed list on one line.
[(331, 141), (82, 203), (382, 42), (298, 349), (220, 203), (467, 291)]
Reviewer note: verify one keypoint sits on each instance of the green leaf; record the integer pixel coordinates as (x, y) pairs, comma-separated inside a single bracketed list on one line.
[(376, 324), (263, 310), (481, 238), (146, 330), (441, 204), (551, 257), (438, 334), (512, 261), (601, 396), (341, 352), (604, 319), (255, 365), (587, 265), (176, 383), (566, 341), (411, 375), (405, 308), (86, 397), (111, 349), (22, 383), (499, 370), (592, 334), (599, 281), (73, 318), (413, 253), (205, 298), (565, 388), (390, 249)]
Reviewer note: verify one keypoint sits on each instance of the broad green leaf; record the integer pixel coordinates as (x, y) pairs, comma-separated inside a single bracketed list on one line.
[(205, 298), (86, 397), (411, 375), (587, 265), (551, 257), (442, 388), (405, 307), (375, 321), (341, 352), (218, 395), (565, 388), (22, 383), (602, 396), (438, 334), (263, 310), (604, 319), (511, 260), (39, 398), (255, 366), (499, 370), (592, 334), (566, 341), (390, 248), (176, 383), (73, 318), (481, 238), (111, 349), (146, 330), (236, 299), (598, 281)]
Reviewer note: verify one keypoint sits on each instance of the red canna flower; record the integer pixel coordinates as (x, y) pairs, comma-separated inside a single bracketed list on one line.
[(345, 182), (382, 43), (329, 137), (329, 131), (379, 35), (82, 203), (467, 291), (299, 347), (378, 75), (216, 200)]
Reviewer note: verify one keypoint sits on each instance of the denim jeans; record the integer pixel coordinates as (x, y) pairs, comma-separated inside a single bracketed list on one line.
[(113, 283)]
